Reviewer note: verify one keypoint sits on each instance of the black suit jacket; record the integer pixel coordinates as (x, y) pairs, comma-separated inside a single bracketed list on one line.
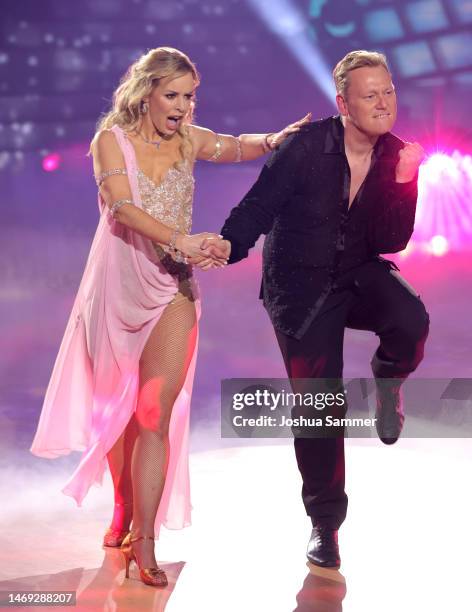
[(300, 201)]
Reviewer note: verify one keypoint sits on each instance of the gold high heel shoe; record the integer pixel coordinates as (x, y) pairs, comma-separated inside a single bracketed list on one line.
[(153, 576), (114, 538)]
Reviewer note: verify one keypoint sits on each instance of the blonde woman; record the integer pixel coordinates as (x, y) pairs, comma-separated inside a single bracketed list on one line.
[(121, 386)]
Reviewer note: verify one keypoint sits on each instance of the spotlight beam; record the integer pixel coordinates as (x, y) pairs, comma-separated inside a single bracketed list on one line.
[(289, 24)]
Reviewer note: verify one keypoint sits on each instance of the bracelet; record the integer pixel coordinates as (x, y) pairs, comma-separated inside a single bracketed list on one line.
[(178, 256), (101, 177), (173, 240), (239, 150), (118, 205), (217, 154), (266, 145)]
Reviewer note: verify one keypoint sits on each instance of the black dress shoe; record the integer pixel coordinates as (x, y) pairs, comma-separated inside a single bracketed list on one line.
[(389, 413), (323, 547)]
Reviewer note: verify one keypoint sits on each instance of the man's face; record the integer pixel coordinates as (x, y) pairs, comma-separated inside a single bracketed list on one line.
[(370, 102)]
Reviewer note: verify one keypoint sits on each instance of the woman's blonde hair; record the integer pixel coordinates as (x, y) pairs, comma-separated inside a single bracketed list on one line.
[(139, 81), (353, 60)]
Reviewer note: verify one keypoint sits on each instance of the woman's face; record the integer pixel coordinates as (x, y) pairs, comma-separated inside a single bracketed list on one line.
[(169, 102)]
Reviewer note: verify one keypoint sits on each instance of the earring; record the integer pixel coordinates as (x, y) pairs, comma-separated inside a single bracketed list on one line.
[(144, 107)]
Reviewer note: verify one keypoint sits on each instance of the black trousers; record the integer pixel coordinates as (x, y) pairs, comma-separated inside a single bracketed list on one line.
[(371, 297)]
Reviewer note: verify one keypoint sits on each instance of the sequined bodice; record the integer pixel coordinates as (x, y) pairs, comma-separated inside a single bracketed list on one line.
[(171, 201)]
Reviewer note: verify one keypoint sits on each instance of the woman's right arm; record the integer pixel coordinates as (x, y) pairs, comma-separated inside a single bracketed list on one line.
[(116, 193)]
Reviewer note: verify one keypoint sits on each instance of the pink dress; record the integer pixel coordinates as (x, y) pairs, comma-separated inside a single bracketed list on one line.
[(93, 388)]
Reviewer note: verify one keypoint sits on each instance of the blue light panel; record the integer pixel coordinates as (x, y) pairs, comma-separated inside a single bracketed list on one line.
[(414, 59), (383, 24), (454, 50), (462, 10), (426, 16), (316, 7)]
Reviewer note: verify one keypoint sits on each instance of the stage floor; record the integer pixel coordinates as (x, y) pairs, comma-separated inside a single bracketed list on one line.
[(406, 544)]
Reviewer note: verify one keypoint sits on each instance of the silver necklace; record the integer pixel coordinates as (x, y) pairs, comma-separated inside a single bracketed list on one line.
[(156, 143)]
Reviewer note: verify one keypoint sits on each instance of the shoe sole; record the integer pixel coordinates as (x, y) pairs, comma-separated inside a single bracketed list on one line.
[(324, 565)]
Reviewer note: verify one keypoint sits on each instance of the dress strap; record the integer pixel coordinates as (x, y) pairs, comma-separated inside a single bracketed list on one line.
[(101, 177)]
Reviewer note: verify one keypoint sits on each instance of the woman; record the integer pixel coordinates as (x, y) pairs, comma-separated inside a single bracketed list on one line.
[(121, 386)]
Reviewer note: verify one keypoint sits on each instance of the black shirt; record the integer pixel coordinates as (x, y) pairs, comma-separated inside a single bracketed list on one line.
[(300, 201)]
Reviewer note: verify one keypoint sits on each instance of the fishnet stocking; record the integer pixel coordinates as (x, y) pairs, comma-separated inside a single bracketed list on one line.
[(119, 461), (162, 370)]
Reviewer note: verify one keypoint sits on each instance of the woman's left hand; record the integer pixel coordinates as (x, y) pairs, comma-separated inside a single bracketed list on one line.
[(275, 140)]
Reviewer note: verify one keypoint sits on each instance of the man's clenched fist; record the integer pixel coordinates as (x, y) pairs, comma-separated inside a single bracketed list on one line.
[(410, 158)]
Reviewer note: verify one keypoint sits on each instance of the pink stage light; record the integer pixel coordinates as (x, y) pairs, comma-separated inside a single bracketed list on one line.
[(439, 245), (51, 162), (440, 165), (444, 215)]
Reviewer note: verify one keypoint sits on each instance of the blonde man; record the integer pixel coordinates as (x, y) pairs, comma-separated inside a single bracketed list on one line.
[(330, 200)]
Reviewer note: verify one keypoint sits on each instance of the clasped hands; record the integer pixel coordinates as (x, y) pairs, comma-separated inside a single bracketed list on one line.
[(205, 250)]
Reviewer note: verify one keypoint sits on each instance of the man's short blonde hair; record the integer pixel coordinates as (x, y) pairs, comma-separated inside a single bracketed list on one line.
[(353, 60)]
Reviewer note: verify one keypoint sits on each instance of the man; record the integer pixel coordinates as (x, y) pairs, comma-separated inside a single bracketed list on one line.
[(330, 200)]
